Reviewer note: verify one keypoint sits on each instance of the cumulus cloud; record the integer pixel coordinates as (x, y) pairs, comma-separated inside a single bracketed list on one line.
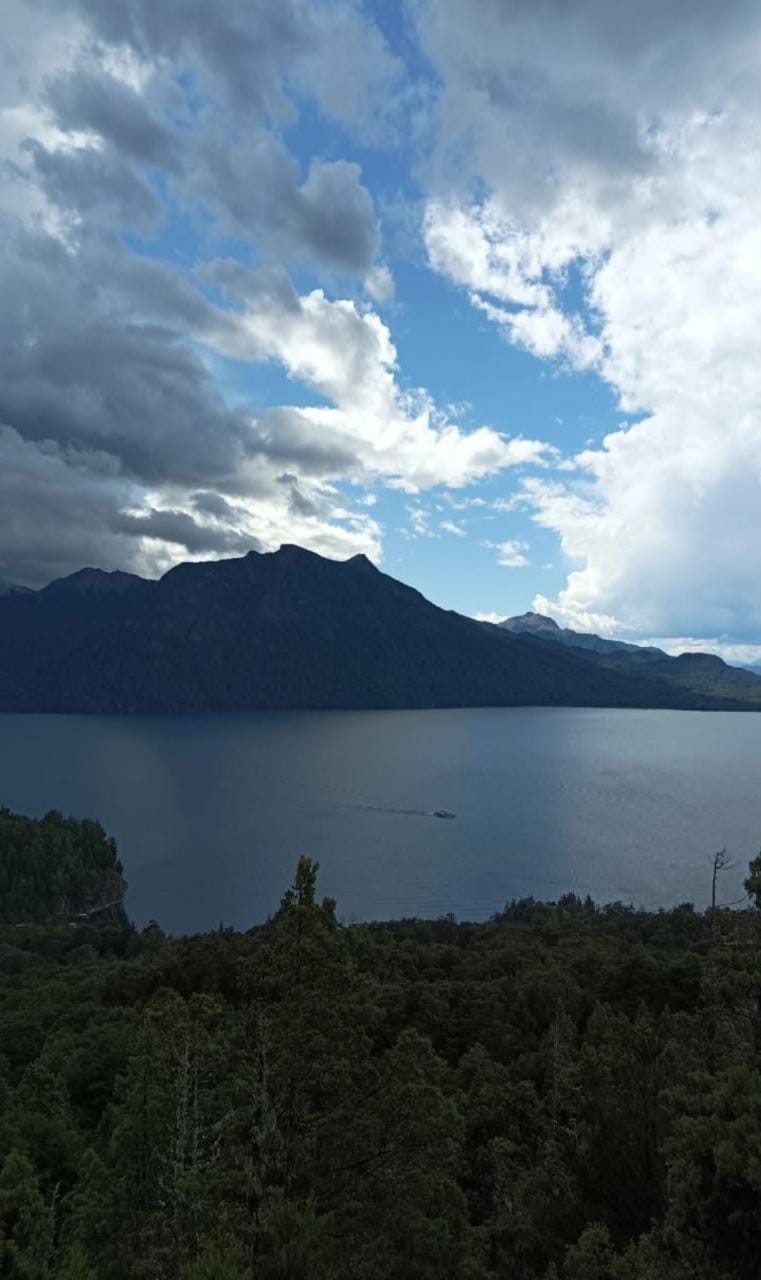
[(121, 445), (372, 428), (622, 143)]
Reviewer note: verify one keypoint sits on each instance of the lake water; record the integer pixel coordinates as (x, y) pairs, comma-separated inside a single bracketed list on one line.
[(211, 812)]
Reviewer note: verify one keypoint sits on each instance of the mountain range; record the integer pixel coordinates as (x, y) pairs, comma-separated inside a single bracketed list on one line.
[(702, 673), (292, 629)]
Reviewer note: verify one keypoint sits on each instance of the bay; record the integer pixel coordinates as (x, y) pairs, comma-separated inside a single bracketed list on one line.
[(211, 811)]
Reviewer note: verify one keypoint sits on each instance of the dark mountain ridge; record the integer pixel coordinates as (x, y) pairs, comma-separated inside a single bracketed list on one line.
[(704, 674), (286, 630)]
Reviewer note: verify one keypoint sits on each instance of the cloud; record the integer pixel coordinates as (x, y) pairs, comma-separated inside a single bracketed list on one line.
[(380, 284), (89, 101), (133, 106), (449, 526), (57, 507), (168, 126), (617, 149), (182, 529), (737, 655), (245, 53), (89, 181), (253, 188), (510, 554), (372, 428), (419, 520)]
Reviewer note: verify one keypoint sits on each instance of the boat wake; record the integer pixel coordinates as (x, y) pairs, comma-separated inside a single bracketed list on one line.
[(387, 808)]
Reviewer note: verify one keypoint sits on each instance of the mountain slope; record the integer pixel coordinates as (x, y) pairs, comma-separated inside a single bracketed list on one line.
[(701, 674), (288, 629), (538, 624)]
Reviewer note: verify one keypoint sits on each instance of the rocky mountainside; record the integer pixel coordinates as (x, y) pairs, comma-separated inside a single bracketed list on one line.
[(290, 629)]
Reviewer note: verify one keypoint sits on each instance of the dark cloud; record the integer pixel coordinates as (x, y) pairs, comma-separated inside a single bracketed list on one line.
[(336, 218), (120, 443), (213, 504), (84, 100), (253, 189), (181, 528), (93, 353), (288, 438), (57, 508), (88, 181), (299, 503)]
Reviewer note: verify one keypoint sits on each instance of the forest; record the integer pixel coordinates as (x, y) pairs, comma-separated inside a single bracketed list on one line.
[(566, 1092), (58, 869)]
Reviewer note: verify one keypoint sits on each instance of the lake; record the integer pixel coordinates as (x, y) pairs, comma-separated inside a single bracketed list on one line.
[(212, 811)]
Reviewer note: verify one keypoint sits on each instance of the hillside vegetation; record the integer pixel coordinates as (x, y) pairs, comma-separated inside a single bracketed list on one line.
[(57, 868), (563, 1093)]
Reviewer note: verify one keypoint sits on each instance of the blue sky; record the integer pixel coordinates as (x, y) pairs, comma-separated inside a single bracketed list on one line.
[(470, 289)]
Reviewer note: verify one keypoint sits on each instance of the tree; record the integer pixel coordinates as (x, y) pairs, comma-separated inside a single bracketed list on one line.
[(26, 1222), (714, 1175), (75, 1266), (218, 1260), (592, 1257), (752, 884), (721, 862)]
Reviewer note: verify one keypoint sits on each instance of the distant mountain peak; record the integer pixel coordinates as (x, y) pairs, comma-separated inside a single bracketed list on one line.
[(12, 589), (90, 581), (537, 621)]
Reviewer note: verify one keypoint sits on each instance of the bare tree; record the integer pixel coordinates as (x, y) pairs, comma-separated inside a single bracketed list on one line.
[(721, 862)]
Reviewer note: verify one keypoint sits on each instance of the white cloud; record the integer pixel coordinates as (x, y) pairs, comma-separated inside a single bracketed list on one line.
[(373, 428), (510, 554), (488, 617), (738, 655), (625, 144), (449, 526), (419, 520), (380, 284), (122, 117)]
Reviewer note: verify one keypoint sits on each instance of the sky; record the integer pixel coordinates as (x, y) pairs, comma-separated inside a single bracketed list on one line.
[(473, 289)]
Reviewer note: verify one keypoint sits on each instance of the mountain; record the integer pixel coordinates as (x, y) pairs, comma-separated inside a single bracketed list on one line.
[(538, 624), (701, 674), (291, 629)]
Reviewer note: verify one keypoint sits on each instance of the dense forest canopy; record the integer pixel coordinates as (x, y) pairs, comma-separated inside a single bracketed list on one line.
[(56, 867), (563, 1093)]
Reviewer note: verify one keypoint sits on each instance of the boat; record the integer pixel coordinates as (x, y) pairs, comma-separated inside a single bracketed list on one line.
[(442, 813)]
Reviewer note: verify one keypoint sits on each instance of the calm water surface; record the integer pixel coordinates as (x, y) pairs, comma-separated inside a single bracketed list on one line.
[(211, 811)]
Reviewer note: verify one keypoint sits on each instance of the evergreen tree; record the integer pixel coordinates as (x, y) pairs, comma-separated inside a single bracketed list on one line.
[(26, 1222)]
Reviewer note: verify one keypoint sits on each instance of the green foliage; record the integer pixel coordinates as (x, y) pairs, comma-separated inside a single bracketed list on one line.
[(57, 867), (26, 1222), (564, 1093)]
